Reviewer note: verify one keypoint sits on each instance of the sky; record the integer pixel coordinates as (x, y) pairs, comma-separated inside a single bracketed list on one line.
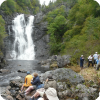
[(46, 1)]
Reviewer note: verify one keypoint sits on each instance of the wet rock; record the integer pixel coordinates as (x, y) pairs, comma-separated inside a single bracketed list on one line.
[(22, 71), (16, 83)]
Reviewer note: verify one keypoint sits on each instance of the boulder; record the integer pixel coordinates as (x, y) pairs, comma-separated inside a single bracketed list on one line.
[(63, 75)]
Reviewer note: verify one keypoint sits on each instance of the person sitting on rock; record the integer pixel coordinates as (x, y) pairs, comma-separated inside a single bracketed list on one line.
[(50, 94), (27, 82), (36, 84), (50, 82)]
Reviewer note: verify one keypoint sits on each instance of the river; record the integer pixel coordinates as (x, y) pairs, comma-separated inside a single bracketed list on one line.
[(15, 65)]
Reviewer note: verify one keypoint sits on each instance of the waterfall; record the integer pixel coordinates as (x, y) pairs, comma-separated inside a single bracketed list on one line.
[(23, 47)]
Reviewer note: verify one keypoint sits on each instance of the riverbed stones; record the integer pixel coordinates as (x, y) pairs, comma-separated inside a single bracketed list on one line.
[(22, 71)]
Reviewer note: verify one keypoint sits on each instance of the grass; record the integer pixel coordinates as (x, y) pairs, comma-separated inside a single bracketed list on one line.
[(89, 74), (74, 68)]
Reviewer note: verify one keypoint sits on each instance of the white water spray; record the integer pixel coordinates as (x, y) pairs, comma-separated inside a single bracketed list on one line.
[(23, 47)]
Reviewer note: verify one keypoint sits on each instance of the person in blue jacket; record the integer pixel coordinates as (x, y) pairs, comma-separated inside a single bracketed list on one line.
[(81, 62), (36, 84)]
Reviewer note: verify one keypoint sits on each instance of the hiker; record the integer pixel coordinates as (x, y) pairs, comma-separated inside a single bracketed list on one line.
[(95, 58), (50, 94), (98, 63), (36, 84), (90, 60), (55, 57), (27, 82), (50, 82), (81, 62)]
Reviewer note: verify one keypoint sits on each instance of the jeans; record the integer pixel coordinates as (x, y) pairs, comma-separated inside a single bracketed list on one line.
[(40, 86)]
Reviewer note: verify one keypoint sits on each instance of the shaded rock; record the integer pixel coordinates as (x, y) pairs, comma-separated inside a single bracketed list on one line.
[(3, 60), (16, 83), (22, 71)]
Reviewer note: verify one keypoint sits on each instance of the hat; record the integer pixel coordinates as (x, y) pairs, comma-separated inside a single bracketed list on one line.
[(51, 94), (96, 52), (50, 77), (81, 55), (28, 72)]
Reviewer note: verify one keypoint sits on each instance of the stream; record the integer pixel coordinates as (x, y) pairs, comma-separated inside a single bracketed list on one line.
[(13, 74)]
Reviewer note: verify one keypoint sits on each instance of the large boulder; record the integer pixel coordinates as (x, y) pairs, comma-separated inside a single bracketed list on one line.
[(63, 75)]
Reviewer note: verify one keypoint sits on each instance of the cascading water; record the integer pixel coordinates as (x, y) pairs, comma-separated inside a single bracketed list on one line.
[(23, 47)]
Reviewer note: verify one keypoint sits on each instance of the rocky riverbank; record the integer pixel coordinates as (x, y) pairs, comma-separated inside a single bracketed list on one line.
[(70, 85)]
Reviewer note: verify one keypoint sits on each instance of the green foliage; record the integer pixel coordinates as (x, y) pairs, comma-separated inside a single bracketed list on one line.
[(2, 30), (70, 33), (52, 14), (92, 27), (21, 6), (83, 30), (75, 34), (56, 28)]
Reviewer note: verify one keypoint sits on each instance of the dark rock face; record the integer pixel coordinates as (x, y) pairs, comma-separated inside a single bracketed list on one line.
[(10, 38), (40, 38)]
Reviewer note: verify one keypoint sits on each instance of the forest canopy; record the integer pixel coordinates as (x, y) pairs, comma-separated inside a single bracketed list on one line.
[(77, 31), (20, 6)]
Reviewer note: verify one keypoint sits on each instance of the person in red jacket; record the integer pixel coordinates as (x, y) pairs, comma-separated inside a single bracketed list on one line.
[(27, 82)]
